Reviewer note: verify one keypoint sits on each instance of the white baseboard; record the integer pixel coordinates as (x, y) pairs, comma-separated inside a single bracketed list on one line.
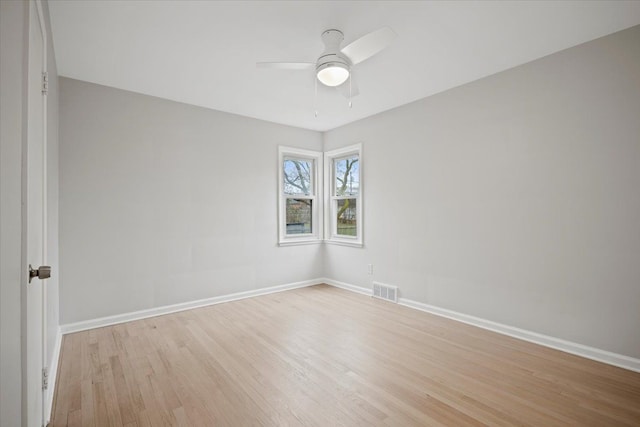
[(53, 375), (347, 286), (593, 353), (157, 311)]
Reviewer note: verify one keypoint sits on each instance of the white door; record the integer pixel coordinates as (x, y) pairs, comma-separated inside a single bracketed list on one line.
[(34, 221)]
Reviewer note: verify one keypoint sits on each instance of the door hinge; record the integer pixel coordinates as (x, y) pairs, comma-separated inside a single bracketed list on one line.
[(45, 378), (45, 82)]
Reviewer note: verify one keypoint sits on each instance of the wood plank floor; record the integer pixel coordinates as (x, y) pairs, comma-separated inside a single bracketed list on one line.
[(321, 356)]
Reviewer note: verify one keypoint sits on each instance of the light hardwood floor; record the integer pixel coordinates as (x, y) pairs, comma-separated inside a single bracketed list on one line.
[(321, 356)]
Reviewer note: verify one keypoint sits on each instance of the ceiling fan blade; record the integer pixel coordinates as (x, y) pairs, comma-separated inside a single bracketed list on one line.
[(368, 45), (286, 65), (344, 89)]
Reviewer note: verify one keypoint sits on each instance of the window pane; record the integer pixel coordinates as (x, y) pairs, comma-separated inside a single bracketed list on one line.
[(347, 176), (297, 176), (299, 216), (346, 224)]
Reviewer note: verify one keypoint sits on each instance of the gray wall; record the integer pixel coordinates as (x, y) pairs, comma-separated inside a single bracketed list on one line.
[(163, 203), (13, 45), (515, 198)]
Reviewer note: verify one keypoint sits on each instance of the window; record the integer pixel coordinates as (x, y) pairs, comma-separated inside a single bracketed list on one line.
[(343, 185), (299, 208)]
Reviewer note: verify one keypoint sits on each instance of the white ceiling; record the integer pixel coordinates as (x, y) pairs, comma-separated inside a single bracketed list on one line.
[(204, 52)]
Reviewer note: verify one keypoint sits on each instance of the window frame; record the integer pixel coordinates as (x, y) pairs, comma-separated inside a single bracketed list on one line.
[(315, 195), (331, 199)]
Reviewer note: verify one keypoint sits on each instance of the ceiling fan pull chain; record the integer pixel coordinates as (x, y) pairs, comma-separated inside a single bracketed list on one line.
[(315, 97), (350, 80)]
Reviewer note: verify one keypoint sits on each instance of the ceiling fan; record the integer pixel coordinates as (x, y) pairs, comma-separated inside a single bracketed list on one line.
[(334, 66)]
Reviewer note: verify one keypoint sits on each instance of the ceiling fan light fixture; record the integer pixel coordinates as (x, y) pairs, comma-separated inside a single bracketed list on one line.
[(332, 73)]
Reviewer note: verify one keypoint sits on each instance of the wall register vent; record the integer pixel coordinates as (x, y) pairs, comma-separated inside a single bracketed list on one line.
[(385, 292)]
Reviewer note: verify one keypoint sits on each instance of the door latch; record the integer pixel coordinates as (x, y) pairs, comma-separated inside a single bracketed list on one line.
[(42, 272)]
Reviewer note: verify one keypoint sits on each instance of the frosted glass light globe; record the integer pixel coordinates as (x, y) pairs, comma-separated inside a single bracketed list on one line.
[(333, 75)]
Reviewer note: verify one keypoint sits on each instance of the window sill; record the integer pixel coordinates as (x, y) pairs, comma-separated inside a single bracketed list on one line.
[(299, 242), (317, 242), (351, 243)]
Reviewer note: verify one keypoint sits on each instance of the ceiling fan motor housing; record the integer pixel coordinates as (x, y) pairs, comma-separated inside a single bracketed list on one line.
[(332, 57), (333, 67)]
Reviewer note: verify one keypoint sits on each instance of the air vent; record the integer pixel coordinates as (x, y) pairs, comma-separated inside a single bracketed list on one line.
[(385, 292)]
